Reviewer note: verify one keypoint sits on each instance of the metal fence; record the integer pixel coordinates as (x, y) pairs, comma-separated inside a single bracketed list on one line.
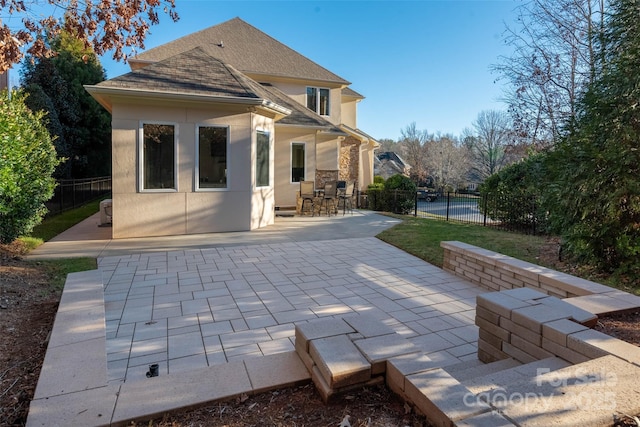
[(512, 214), (71, 193)]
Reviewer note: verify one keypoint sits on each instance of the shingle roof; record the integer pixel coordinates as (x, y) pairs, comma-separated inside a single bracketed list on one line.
[(347, 91), (247, 49), (300, 115), (178, 74)]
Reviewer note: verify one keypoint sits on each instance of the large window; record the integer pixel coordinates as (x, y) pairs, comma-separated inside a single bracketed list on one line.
[(298, 161), (212, 157), (318, 100), (262, 159), (158, 157)]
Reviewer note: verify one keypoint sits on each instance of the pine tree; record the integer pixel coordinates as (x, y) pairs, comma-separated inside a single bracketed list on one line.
[(81, 126)]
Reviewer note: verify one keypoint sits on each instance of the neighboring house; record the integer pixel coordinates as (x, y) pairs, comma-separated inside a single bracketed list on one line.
[(389, 163), (214, 131)]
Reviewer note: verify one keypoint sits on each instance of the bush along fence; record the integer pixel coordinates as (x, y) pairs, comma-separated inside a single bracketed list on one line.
[(71, 193), (521, 214)]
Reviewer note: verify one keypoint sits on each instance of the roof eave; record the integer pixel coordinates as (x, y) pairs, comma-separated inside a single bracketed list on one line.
[(104, 94), (358, 134), (260, 77), (318, 129)]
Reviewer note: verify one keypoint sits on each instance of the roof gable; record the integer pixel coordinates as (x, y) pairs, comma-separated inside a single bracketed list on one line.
[(247, 49)]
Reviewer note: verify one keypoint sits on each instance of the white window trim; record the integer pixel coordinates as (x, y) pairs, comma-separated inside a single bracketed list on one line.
[(141, 188), (196, 174), (271, 153), (291, 181), (318, 88)]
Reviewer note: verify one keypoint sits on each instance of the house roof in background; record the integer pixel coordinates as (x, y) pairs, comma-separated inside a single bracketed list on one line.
[(390, 156), (246, 48)]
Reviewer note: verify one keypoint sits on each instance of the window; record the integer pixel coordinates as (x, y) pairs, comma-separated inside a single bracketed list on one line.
[(297, 161), (318, 100), (262, 159), (212, 157), (158, 157)]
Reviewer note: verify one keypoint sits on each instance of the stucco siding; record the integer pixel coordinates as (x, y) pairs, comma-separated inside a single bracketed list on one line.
[(148, 214), (285, 190), (349, 114), (218, 212), (262, 198), (186, 210), (327, 154)]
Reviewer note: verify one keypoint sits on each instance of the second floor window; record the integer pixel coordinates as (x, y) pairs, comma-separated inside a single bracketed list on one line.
[(318, 100)]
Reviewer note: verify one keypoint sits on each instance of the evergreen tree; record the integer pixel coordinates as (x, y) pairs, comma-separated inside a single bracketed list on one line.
[(81, 125), (596, 185)]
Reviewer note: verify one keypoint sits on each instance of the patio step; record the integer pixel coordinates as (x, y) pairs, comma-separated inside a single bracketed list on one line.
[(584, 394), (468, 370), (542, 393), (501, 378)]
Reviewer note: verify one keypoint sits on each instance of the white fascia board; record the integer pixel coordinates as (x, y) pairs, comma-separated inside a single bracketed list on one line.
[(104, 94)]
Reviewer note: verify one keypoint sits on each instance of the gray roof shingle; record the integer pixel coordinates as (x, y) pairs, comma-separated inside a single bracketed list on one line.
[(193, 72), (246, 48), (196, 72)]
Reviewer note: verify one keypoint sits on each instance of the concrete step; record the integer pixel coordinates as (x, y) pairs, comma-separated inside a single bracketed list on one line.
[(517, 373), (467, 370), (585, 394)]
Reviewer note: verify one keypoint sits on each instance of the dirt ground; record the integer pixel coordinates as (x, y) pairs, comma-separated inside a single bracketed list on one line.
[(28, 305)]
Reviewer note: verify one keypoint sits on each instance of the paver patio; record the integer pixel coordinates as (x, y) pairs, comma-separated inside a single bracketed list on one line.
[(196, 308), (194, 304)]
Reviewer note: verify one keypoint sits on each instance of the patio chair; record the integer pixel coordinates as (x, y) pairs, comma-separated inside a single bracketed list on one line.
[(330, 195), (346, 196), (307, 194)]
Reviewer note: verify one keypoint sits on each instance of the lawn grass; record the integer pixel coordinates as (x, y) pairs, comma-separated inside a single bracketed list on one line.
[(58, 269), (51, 227), (422, 236)]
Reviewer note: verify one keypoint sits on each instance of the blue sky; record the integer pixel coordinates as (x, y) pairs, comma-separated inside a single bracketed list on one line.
[(415, 61)]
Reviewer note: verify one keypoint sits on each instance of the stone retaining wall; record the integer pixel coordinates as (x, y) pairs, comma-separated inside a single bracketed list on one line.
[(497, 272), (528, 325)]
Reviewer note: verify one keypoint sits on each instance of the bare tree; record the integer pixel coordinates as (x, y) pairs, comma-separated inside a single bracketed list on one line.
[(387, 144), (413, 143), (447, 162), (555, 57), (489, 142), (103, 25)]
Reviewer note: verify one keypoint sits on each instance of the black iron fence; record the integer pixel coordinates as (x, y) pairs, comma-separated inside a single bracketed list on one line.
[(520, 214), (71, 193)]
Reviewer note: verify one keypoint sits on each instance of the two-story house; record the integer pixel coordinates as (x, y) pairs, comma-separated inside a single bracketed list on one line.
[(214, 131)]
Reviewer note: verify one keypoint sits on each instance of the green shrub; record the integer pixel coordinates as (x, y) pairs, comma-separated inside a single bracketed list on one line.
[(399, 194), (27, 161), (513, 196)]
